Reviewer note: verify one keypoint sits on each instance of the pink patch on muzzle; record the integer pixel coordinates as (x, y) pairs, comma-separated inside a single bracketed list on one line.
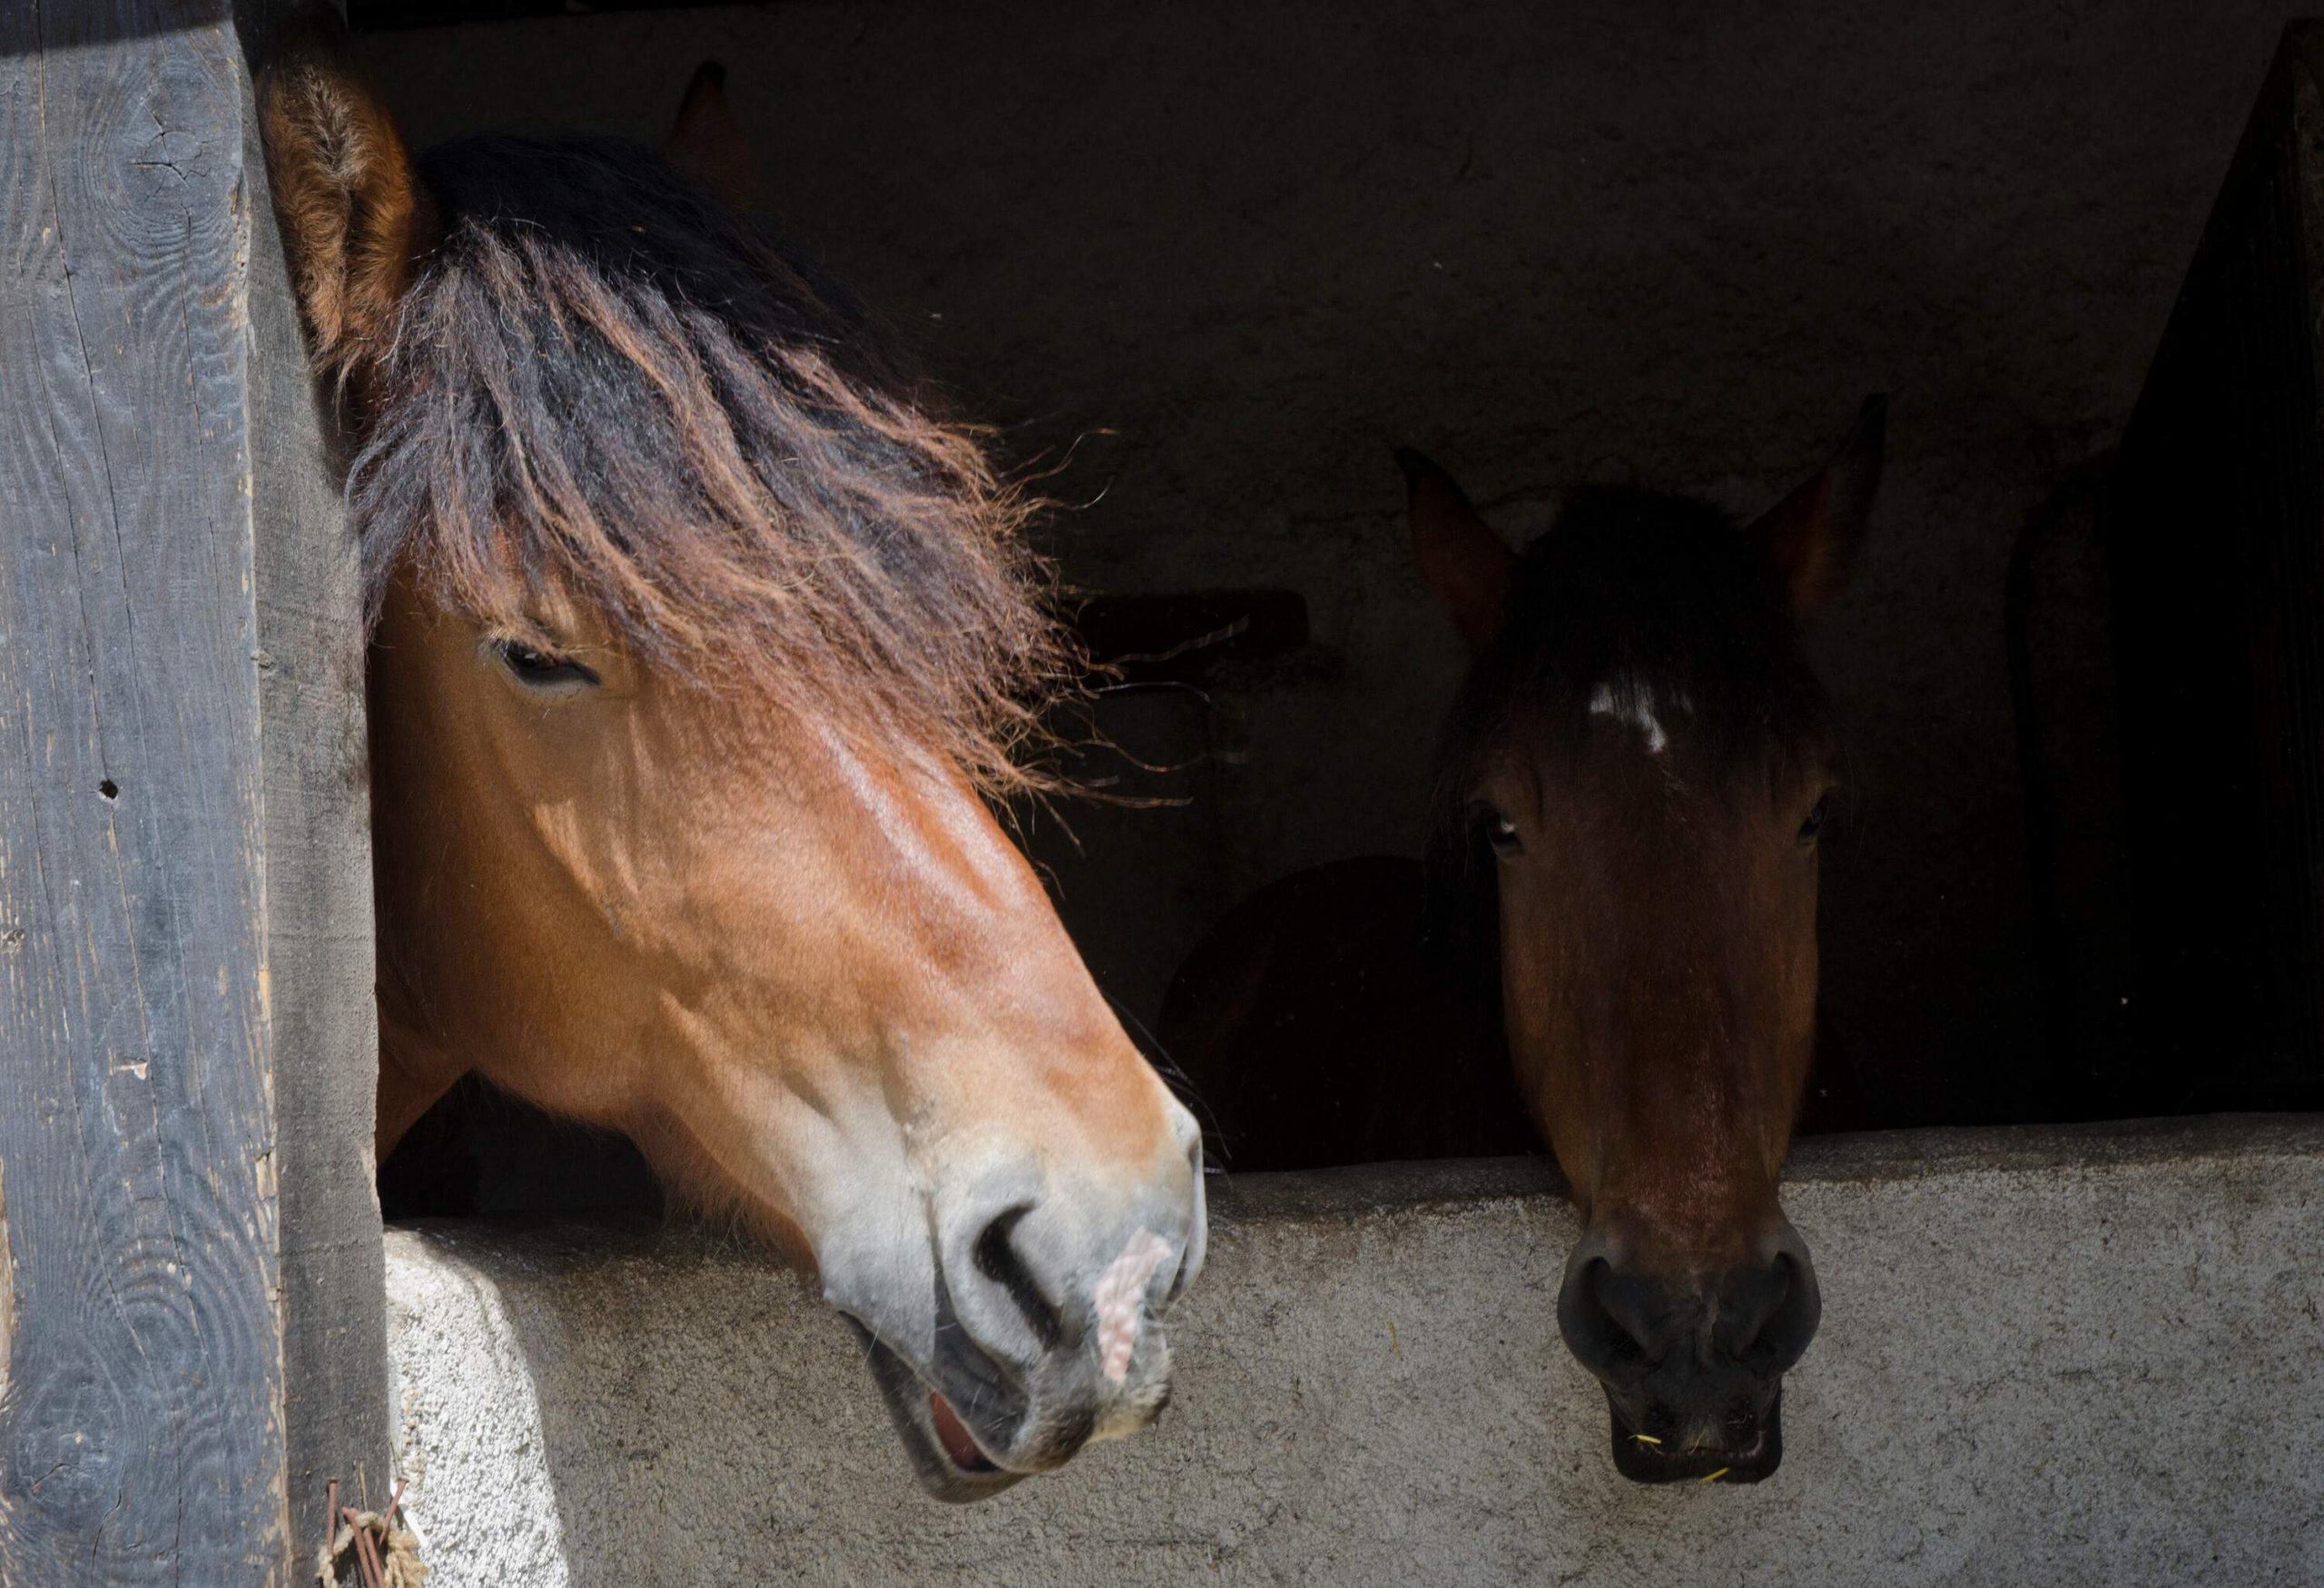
[(1121, 1301)]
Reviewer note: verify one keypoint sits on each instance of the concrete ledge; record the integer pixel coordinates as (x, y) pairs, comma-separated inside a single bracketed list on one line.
[(2078, 1355)]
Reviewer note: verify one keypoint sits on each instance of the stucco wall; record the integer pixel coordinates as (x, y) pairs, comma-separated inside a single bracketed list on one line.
[(2064, 1356), (1257, 246)]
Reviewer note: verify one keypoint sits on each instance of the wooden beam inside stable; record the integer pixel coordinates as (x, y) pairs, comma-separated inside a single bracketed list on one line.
[(190, 1296), (2213, 524)]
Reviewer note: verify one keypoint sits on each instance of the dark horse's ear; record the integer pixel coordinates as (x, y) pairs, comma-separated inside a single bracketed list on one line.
[(356, 221), (1468, 566), (1812, 535), (707, 142)]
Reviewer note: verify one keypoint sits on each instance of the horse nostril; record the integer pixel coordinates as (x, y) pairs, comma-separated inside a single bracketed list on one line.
[(1754, 1301), (1600, 1339), (1793, 1309), (998, 1260)]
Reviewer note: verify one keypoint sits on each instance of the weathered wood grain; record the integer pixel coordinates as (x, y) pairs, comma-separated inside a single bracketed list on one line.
[(180, 904), (319, 948)]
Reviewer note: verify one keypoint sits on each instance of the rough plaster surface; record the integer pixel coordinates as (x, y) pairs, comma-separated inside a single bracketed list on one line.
[(1258, 246), (2090, 1356)]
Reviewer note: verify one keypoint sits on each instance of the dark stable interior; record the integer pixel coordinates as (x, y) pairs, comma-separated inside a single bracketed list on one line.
[(1220, 267)]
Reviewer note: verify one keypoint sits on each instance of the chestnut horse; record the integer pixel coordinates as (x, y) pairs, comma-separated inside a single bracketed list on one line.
[(1615, 933), (699, 648)]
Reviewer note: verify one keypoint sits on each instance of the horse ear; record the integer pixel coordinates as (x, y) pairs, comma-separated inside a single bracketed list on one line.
[(356, 219), (1464, 562), (1812, 535), (707, 142)]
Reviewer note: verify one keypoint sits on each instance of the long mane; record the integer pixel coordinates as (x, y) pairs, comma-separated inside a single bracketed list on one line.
[(607, 387)]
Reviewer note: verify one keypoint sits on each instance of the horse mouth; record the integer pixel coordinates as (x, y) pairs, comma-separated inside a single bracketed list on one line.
[(1753, 1456), (953, 1435), (947, 1458)]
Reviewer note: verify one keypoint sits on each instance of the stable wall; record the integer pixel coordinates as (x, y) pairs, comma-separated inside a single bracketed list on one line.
[(1242, 251), (2076, 1356)]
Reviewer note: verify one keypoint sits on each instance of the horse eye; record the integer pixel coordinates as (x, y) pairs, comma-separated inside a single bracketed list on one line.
[(1817, 816), (1499, 831), (539, 669)]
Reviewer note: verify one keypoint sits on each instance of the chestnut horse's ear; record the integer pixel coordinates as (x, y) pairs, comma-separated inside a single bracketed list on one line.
[(707, 142), (1468, 566), (1812, 535), (355, 222)]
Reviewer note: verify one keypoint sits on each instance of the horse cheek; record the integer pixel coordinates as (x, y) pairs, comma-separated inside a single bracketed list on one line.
[(1545, 1044)]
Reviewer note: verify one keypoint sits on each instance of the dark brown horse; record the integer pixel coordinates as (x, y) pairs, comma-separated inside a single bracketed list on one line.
[(1615, 933), (699, 646)]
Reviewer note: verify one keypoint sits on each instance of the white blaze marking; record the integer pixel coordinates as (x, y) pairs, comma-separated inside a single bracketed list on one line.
[(1121, 1301), (1633, 702)]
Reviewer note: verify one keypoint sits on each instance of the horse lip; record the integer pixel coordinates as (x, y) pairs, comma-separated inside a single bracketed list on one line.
[(1645, 1461), (953, 1433), (906, 1394)]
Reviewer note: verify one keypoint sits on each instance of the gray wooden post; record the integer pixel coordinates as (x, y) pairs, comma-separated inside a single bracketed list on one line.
[(191, 1328)]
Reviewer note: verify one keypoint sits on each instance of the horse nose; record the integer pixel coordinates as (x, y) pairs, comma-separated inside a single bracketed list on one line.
[(1693, 1362), (1042, 1275), (1053, 1293), (1627, 1326)]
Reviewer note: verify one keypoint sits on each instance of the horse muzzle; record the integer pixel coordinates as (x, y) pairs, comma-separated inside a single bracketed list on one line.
[(1693, 1364), (1047, 1335), (973, 1433)]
